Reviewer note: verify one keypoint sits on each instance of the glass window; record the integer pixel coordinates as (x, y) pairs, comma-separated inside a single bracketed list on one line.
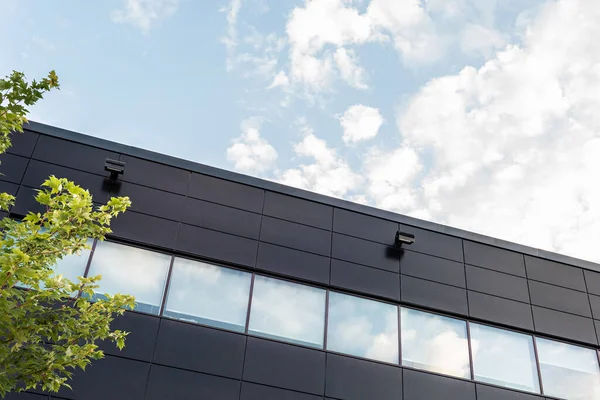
[(73, 266), (130, 270), (568, 371), (208, 294), (362, 327), (287, 311), (435, 343), (504, 358)]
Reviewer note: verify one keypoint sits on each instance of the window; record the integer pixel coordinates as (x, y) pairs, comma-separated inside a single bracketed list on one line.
[(287, 311), (130, 270), (73, 266), (435, 343), (568, 371), (208, 294), (362, 327), (504, 358)]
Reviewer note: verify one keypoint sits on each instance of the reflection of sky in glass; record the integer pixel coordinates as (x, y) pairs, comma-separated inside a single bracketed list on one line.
[(568, 371), (208, 294), (435, 343), (504, 358), (287, 311), (73, 266), (130, 270), (362, 327)]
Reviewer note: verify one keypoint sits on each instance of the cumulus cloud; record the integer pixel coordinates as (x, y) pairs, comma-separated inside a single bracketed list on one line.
[(143, 14), (250, 153), (360, 122), (280, 79), (347, 63), (328, 173)]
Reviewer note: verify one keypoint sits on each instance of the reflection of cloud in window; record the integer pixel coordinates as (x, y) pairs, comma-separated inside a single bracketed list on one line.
[(130, 270), (435, 343), (568, 371), (73, 265), (288, 311), (362, 327), (208, 294), (504, 358)]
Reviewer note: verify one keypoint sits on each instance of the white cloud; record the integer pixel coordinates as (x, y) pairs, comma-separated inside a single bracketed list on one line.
[(144, 13), (329, 174), (351, 72), (360, 122), (479, 39), (280, 79), (250, 153), (230, 39)]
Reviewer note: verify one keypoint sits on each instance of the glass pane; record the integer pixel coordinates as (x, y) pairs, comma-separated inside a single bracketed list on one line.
[(129, 270), (568, 371), (435, 343), (287, 311), (73, 266), (504, 358), (362, 327), (208, 294)]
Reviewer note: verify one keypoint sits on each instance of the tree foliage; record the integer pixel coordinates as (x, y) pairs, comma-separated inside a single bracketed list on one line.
[(48, 325)]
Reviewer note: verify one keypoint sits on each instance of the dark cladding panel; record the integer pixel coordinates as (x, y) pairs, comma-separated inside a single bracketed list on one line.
[(7, 187), (493, 393), (23, 143), (176, 384), (25, 396), (217, 245), (564, 325), (425, 386), (551, 272), (435, 295), (364, 226), (151, 201), (435, 244), (72, 155), (200, 349), (221, 218), (354, 379), (497, 284), (109, 378), (432, 268), (286, 366), (12, 167), (145, 229), (225, 192), (156, 175), (295, 236), (494, 258), (500, 310), (595, 303), (37, 172), (293, 263), (365, 252), (140, 341), (25, 202), (364, 279), (252, 391), (592, 280), (298, 210), (560, 299)]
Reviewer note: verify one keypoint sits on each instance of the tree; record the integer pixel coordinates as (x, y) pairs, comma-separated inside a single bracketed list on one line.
[(48, 325)]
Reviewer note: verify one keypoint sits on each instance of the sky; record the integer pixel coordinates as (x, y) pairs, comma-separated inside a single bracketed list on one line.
[(478, 114)]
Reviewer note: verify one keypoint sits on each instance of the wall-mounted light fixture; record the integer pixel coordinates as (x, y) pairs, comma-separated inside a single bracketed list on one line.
[(403, 238), (115, 168)]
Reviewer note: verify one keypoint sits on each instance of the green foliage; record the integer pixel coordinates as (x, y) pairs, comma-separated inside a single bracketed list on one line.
[(50, 328)]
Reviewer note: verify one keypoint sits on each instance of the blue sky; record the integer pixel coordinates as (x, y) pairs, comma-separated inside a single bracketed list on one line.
[(478, 114)]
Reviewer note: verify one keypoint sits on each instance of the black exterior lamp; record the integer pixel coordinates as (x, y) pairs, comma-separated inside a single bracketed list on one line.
[(403, 238), (115, 168)]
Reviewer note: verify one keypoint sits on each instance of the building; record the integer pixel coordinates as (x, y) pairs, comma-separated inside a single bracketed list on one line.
[(250, 290)]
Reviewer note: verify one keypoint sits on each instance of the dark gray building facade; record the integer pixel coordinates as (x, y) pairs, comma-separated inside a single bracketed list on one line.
[(251, 290)]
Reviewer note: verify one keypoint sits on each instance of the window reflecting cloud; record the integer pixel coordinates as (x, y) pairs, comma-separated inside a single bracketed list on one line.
[(288, 311), (362, 327), (208, 294), (130, 270), (568, 371), (435, 343), (504, 358), (73, 266)]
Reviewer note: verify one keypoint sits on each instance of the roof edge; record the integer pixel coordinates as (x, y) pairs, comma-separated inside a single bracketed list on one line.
[(304, 194)]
